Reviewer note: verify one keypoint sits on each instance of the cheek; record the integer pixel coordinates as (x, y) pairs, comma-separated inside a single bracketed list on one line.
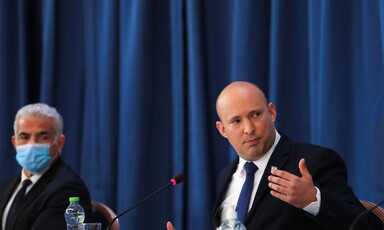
[(232, 133), (235, 138), (264, 126), (53, 152)]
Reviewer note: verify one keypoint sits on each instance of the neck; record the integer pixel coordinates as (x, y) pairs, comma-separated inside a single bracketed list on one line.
[(27, 173)]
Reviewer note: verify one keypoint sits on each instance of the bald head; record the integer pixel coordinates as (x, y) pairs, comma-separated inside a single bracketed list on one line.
[(237, 89)]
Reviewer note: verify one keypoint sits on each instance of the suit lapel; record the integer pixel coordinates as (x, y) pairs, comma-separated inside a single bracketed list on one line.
[(37, 189), (278, 158), (7, 194)]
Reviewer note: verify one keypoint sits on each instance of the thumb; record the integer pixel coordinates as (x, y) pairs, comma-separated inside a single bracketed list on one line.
[(170, 226), (303, 168)]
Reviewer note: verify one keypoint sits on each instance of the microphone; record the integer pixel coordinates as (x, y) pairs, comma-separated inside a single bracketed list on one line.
[(177, 179), (363, 214)]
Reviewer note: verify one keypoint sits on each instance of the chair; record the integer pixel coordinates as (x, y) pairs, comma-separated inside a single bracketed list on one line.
[(378, 211), (103, 214)]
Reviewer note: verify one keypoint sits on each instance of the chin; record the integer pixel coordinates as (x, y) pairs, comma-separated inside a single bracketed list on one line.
[(254, 156)]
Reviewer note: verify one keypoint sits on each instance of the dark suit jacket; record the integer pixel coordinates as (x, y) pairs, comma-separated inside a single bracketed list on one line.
[(339, 206), (45, 204)]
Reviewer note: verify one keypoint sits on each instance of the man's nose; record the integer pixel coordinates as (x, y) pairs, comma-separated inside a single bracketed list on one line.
[(249, 127), (32, 140)]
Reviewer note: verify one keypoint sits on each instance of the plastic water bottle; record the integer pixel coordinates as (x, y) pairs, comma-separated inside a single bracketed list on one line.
[(74, 214), (229, 219)]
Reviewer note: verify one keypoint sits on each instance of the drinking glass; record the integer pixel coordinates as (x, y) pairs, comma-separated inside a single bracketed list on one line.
[(92, 226)]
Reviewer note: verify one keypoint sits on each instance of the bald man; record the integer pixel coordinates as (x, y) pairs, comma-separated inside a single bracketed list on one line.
[(295, 186)]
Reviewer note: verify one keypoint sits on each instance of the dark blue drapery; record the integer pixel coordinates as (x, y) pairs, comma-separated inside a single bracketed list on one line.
[(136, 83)]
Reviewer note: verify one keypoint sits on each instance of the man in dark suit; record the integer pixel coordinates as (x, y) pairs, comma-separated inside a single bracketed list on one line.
[(38, 141), (293, 186), (296, 186)]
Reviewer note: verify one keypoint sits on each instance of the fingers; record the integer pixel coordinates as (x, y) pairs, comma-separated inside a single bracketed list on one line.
[(281, 182), (279, 195), (278, 189), (281, 177), (282, 174), (170, 226), (295, 190), (288, 176)]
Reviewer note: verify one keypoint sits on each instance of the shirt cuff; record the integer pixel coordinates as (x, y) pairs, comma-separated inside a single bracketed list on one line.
[(314, 207)]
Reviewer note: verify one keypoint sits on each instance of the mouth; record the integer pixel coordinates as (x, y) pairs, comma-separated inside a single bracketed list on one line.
[(253, 141)]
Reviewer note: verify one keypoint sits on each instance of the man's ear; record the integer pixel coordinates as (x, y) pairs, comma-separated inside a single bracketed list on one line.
[(221, 128), (61, 142), (14, 141), (272, 111)]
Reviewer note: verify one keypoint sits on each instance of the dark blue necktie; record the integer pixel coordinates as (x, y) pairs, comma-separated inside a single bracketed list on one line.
[(17, 201), (246, 191)]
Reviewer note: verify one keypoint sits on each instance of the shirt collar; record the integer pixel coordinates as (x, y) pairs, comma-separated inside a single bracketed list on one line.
[(34, 178), (263, 161)]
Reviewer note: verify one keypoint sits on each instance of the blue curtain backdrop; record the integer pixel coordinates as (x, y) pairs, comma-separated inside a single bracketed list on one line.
[(136, 82)]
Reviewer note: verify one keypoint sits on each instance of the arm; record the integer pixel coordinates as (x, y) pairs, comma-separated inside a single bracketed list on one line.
[(338, 206)]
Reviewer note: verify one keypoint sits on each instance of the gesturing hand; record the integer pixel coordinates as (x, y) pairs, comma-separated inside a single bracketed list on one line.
[(296, 191)]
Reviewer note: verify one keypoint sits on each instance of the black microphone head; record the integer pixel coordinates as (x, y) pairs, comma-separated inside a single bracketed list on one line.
[(179, 178)]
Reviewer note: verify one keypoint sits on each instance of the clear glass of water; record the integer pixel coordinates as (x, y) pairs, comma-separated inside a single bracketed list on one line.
[(92, 226)]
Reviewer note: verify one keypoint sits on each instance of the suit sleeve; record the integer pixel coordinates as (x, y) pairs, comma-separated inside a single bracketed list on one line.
[(52, 217), (339, 205)]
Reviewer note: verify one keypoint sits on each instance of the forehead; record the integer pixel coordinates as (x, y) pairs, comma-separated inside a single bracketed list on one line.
[(242, 107), (35, 124), (241, 102)]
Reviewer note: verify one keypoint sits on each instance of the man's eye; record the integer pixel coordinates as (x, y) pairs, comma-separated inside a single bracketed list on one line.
[(235, 121), (44, 137), (23, 137)]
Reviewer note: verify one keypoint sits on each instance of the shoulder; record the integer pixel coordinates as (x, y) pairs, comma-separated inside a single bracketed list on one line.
[(306, 150), (321, 162), (5, 182), (7, 185), (228, 170), (62, 175), (316, 157), (230, 167), (314, 151), (60, 183)]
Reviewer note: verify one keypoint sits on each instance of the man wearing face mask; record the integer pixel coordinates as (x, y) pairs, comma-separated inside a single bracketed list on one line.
[(45, 180)]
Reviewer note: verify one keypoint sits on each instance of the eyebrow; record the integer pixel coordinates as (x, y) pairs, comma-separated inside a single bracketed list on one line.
[(44, 133), (39, 133), (233, 118)]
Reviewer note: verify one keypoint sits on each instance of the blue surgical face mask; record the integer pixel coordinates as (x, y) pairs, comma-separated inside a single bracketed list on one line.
[(33, 157)]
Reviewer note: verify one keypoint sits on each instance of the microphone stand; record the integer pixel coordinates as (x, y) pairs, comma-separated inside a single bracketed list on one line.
[(138, 203)]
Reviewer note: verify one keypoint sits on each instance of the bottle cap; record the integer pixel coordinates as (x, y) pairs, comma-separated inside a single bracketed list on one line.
[(72, 199), (228, 212)]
